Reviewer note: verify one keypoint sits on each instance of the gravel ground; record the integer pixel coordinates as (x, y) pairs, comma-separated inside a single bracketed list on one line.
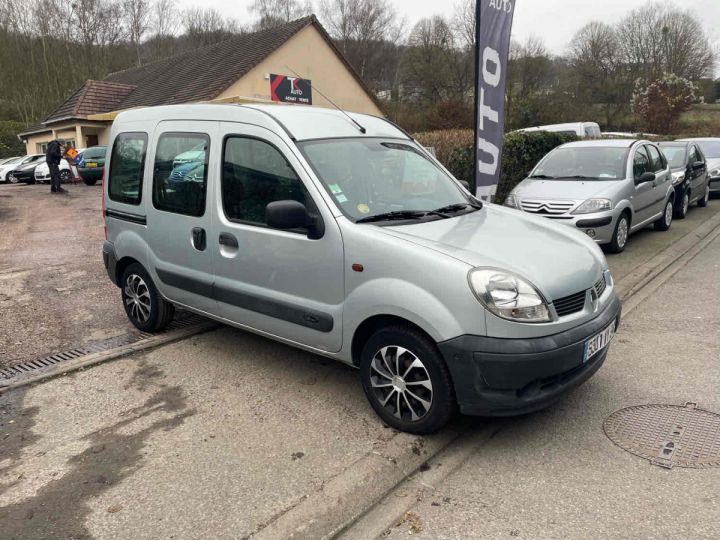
[(54, 291)]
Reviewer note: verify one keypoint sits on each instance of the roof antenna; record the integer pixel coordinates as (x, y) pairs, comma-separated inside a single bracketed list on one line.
[(360, 127)]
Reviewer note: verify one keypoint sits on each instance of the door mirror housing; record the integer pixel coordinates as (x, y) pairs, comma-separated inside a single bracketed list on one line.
[(288, 215), (645, 177), (698, 165), (465, 184)]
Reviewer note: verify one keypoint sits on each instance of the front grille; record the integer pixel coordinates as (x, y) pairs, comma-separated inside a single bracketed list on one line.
[(570, 304), (600, 286), (546, 207)]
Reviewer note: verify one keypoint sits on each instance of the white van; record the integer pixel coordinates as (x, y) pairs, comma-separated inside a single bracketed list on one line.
[(584, 130)]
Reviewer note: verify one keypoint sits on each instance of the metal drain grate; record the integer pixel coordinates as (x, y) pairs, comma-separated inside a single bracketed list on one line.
[(182, 320), (668, 435)]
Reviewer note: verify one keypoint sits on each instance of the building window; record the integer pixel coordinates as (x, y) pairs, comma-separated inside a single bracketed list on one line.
[(180, 173), (127, 168)]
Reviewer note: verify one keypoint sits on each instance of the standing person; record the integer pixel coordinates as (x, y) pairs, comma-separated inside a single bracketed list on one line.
[(55, 150)]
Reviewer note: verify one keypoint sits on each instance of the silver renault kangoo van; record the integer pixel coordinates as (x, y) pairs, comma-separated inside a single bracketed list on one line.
[(337, 233)]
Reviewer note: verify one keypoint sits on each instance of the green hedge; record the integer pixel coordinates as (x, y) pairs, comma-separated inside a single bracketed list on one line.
[(10, 145), (521, 152)]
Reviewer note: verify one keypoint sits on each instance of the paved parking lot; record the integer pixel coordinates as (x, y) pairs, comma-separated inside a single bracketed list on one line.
[(226, 434)]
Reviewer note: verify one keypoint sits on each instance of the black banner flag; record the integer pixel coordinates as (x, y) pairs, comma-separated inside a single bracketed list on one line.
[(493, 24)]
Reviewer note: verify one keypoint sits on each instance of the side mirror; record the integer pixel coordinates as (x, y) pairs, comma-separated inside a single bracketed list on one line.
[(698, 165), (465, 184), (645, 177), (286, 215)]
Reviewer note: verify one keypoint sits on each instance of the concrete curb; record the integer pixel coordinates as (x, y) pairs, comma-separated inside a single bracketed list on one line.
[(103, 356), (347, 496)]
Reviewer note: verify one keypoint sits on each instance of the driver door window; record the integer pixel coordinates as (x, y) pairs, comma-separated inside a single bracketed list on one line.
[(641, 163)]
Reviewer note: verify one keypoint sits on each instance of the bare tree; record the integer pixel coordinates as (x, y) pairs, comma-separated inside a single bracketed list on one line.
[(207, 26), (276, 12), (166, 18), (463, 23), (137, 16)]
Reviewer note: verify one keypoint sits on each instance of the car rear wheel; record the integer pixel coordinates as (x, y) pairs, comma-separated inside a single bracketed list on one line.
[(703, 201), (406, 380), (663, 224), (682, 209), (620, 236), (144, 306), (90, 181), (65, 176)]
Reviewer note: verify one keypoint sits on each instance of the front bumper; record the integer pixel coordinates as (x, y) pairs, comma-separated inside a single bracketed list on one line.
[(507, 377), (600, 226), (714, 184)]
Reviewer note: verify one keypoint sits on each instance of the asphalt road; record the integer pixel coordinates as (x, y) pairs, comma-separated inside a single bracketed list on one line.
[(225, 433)]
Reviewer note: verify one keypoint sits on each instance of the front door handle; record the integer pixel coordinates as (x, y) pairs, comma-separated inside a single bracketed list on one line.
[(199, 238), (228, 240)]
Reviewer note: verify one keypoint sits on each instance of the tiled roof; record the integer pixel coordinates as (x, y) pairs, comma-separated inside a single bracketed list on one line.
[(91, 98), (204, 73), (198, 75)]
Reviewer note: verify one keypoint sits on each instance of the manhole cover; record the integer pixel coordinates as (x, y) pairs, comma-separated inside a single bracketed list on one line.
[(668, 435)]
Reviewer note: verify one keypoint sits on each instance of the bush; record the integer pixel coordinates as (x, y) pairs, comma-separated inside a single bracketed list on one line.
[(10, 145), (521, 152), (660, 103)]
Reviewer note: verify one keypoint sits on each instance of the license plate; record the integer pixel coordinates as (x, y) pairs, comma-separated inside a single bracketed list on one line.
[(598, 342), (91, 165)]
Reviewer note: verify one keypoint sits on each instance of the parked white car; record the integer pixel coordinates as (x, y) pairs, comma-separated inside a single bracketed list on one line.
[(584, 130), (42, 173), (7, 166)]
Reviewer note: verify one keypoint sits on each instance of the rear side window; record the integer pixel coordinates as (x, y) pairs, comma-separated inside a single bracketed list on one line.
[(180, 173), (127, 167), (255, 174), (657, 162), (641, 163)]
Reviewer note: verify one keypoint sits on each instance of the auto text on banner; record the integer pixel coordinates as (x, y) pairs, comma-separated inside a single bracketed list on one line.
[(493, 25)]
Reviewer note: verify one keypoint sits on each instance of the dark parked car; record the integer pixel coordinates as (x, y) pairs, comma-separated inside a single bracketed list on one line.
[(92, 164), (25, 170), (710, 147), (690, 175)]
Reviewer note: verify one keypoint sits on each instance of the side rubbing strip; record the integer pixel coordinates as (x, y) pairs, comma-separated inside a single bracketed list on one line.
[(124, 216), (309, 318), (185, 283), (322, 322)]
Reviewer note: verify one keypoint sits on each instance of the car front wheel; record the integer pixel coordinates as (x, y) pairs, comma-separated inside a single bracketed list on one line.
[(620, 236), (144, 306), (65, 176), (703, 201), (663, 224), (406, 380)]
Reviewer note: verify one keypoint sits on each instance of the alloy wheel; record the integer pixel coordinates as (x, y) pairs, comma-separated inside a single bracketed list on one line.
[(12, 179), (707, 194), (137, 298), (685, 204), (401, 383), (622, 233), (668, 213)]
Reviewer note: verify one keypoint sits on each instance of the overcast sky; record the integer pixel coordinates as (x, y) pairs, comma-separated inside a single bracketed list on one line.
[(555, 21)]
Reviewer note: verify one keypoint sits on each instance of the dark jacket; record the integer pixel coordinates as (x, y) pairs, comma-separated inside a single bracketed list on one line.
[(53, 155)]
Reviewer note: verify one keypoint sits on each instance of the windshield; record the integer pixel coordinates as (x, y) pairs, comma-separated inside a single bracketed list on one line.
[(583, 163), (711, 149), (95, 152), (675, 155), (370, 177)]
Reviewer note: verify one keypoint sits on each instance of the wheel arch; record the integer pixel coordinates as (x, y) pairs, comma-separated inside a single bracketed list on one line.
[(371, 325), (121, 266)]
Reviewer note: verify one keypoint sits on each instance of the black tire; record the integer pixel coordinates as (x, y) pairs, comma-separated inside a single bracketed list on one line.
[(681, 209), (703, 201), (65, 176), (136, 283), (441, 395), (663, 224), (618, 243), (89, 181)]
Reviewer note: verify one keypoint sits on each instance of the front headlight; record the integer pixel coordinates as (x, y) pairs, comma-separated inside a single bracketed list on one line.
[(508, 296), (715, 172), (678, 178), (512, 201), (594, 205)]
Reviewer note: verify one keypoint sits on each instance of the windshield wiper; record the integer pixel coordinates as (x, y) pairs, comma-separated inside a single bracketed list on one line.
[(398, 214), (580, 177), (542, 177), (453, 208)]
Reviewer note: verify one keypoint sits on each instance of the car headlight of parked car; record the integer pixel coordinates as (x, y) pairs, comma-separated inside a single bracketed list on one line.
[(715, 172), (512, 201), (678, 178), (508, 296), (593, 205)]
